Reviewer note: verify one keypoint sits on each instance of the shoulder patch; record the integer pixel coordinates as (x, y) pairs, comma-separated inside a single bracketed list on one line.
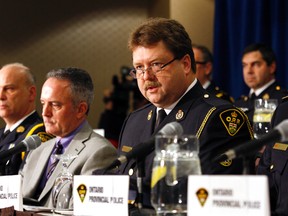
[(233, 120), (45, 136), (226, 163)]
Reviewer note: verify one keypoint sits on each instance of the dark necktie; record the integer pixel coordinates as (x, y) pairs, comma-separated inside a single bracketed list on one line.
[(253, 96), (5, 134), (161, 115), (58, 150)]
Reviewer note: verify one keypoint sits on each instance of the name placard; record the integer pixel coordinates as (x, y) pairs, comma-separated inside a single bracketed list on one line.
[(101, 195), (10, 192), (228, 195)]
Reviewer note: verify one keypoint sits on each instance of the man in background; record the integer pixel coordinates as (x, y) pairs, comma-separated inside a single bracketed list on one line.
[(17, 109), (66, 98), (259, 68), (204, 67)]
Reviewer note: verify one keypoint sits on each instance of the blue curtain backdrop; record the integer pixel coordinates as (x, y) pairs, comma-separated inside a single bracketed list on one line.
[(239, 23)]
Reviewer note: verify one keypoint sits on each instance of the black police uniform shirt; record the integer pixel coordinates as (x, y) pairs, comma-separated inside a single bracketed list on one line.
[(274, 91), (273, 163), (217, 124), (33, 124)]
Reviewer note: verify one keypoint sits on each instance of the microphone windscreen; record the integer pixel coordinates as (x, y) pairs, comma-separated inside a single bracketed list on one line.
[(282, 127), (32, 142), (173, 128)]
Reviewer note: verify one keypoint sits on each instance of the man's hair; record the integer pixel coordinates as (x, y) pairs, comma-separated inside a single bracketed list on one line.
[(171, 32), (82, 88), (266, 51), (30, 79), (206, 54)]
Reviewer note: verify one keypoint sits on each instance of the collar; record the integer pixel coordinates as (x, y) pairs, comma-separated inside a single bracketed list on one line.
[(260, 90), (65, 141), (171, 107), (18, 122)]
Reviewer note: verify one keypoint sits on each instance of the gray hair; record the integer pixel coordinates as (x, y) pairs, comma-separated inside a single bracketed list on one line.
[(82, 88)]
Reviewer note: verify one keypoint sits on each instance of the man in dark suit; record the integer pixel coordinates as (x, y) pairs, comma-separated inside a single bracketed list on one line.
[(17, 109), (204, 67), (164, 67), (66, 98), (273, 163), (259, 68)]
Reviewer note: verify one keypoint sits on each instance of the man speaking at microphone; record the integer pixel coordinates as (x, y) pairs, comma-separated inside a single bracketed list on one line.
[(164, 67), (18, 110)]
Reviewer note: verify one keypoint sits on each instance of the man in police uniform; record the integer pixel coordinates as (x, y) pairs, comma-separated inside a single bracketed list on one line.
[(273, 163), (259, 68), (165, 71), (17, 109), (204, 67)]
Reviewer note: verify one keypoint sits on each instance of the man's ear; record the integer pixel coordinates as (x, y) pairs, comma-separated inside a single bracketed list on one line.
[(82, 109), (208, 68), (186, 61), (32, 92)]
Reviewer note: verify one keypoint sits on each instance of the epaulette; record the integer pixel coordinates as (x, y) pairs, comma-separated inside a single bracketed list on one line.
[(244, 97), (214, 101), (285, 99)]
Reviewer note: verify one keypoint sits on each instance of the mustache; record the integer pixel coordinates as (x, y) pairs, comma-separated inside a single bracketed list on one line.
[(149, 84)]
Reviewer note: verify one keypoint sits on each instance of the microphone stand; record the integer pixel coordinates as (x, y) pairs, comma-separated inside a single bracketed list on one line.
[(140, 175)]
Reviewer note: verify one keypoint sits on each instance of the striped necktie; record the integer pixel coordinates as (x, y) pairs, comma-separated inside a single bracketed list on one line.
[(58, 150)]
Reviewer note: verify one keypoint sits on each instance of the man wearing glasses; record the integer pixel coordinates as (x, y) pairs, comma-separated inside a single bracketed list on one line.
[(204, 66), (164, 67)]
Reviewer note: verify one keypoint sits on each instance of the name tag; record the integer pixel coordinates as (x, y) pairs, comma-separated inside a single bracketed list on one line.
[(10, 192), (101, 195), (228, 195)]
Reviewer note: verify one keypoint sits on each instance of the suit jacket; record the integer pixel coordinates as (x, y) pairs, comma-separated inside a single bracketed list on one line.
[(274, 91), (33, 124), (93, 150), (274, 164), (216, 122)]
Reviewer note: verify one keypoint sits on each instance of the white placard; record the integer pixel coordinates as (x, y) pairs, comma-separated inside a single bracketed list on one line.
[(228, 195), (101, 195), (10, 192)]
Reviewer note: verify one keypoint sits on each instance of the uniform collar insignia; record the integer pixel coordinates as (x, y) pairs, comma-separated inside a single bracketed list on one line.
[(150, 115), (20, 129), (179, 114)]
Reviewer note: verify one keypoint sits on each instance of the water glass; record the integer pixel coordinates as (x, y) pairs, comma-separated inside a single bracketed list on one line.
[(263, 111), (176, 158)]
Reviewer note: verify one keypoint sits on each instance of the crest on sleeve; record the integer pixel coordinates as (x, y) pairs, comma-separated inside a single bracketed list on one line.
[(233, 120), (45, 136)]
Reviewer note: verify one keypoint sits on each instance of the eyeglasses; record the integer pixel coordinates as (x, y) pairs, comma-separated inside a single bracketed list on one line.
[(200, 62), (138, 73)]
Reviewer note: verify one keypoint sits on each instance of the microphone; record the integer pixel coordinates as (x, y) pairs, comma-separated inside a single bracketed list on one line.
[(279, 133), (143, 149), (30, 143)]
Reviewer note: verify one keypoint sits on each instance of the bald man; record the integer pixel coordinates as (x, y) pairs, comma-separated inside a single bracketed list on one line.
[(18, 110)]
